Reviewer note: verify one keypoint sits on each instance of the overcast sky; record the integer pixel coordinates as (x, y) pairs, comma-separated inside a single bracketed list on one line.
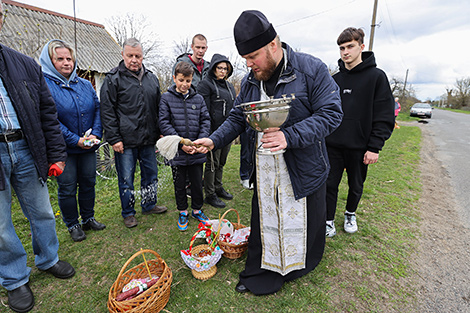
[(430, 38)]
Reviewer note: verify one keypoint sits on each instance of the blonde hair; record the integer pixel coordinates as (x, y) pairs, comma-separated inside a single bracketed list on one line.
[(54, 44)]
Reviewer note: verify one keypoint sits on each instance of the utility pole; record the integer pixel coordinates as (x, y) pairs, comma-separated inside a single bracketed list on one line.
[(372, 26), (404, 86)]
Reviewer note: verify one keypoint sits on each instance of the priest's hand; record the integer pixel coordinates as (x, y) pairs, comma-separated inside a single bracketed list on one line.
[(274, 139)]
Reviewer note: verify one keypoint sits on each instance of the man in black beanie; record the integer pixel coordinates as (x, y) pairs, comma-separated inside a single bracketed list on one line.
[(288, 208)]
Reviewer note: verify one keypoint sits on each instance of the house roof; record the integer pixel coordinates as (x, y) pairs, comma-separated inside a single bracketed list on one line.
[(28, 28)]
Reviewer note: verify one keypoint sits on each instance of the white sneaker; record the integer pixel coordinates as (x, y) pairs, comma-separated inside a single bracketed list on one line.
[(246, 184), (350, 224), (330, 230)]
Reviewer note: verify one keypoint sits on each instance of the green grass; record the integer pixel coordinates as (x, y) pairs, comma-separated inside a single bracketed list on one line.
[(457, 110), (367, 271)]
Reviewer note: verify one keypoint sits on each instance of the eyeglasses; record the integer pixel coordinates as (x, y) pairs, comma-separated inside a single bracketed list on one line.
[(220, 68)]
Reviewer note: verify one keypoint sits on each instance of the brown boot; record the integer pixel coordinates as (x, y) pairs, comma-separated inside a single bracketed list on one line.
[(130, 221)]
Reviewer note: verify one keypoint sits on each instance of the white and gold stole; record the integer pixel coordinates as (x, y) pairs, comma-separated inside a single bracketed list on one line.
[(283, 220)]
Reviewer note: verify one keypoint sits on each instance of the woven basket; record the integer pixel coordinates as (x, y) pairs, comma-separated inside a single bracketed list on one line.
[(203, 275), (151, 300), (232, 251), (202, 269)]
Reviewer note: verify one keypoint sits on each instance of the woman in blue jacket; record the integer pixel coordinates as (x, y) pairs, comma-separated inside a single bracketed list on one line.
[(79, 117)]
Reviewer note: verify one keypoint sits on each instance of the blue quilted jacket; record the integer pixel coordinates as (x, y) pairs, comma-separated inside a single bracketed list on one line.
[(78, 107), (185, 116)]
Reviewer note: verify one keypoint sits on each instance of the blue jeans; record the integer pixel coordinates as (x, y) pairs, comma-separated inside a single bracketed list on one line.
[(80, 171), (33, 196), (125, 167)]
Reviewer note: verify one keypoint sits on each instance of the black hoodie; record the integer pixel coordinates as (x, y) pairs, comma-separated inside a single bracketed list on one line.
[(368, 107), (218, 94)]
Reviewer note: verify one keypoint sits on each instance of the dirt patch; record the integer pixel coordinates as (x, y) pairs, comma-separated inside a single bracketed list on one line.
[(441, 260)]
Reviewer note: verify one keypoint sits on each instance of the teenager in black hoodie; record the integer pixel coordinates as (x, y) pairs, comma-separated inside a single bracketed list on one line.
[(368, 121)]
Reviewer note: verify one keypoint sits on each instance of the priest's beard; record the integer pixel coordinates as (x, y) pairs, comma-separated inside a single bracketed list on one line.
[(266, 74)]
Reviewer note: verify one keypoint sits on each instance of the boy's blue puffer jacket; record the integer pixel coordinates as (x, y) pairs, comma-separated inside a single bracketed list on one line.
[(186, 117)]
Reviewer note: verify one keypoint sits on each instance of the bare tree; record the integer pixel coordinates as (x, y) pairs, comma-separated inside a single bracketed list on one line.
[(396, 85), (239, 71), (136, 26), (449, 97), (163, 69), (407, 97), (461, 94), (182, 47)]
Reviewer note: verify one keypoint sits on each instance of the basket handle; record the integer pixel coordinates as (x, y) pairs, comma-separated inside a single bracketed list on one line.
[(194, 237), (133, 257), (222, 218)]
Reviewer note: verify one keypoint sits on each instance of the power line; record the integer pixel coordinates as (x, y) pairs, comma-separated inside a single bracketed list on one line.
[(313, 15), (393, 34), (299, 19)]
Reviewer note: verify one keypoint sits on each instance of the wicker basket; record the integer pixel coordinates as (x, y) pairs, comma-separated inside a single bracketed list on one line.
[(203, 275), (154, 298), (202, 269), (232, 251)]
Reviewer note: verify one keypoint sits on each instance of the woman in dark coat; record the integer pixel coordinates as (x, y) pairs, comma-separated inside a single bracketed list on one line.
[(219, 96)]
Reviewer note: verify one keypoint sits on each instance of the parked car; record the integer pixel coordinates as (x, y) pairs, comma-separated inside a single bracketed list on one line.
[(421, 110)]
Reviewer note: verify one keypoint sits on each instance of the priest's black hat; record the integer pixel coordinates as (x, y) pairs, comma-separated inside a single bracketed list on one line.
[(252, 31)]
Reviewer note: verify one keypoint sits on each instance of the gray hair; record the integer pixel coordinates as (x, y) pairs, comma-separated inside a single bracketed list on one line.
[(56, 43), (131, 42)]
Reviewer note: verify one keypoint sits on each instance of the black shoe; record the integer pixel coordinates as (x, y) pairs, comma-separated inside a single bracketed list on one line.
[(21, 299), (77, 233), (222, 193), (241, 288), (214, 201), (61, 270), (93, 224)]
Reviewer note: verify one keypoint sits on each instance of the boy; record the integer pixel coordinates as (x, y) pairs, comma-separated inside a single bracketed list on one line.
[(368, 122), (183, 112)]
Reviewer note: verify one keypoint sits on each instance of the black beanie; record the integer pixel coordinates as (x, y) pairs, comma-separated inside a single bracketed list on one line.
[(252, 31)]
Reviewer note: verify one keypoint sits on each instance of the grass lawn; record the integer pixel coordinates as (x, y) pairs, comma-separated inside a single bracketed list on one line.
[(366, 271)]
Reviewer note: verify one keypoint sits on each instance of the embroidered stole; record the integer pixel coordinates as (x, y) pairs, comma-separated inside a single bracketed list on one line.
[(283, 220)]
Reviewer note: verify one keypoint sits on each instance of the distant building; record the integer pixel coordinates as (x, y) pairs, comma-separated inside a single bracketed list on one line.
[(28, 28)]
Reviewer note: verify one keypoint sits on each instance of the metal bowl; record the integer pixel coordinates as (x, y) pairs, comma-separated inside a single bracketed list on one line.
[(267, 113), (261, 119)]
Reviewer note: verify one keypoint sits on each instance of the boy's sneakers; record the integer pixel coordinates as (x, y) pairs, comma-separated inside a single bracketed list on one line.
[(330, 230), (183, 221), (201, 217), (350, 224)]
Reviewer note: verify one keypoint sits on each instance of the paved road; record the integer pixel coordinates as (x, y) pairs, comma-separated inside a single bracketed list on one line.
[(451, 134)]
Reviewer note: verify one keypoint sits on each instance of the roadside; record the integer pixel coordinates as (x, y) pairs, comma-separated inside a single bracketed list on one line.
[(441, 260)]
